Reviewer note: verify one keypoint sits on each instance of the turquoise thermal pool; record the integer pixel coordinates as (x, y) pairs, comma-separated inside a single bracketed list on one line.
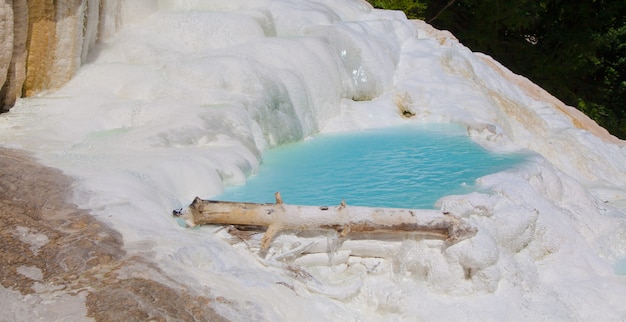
[(400, 167)]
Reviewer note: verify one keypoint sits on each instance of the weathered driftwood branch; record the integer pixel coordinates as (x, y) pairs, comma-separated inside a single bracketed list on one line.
[(278, 217)]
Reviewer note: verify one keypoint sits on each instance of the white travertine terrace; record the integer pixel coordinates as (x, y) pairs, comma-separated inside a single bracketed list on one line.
[(150, 103)]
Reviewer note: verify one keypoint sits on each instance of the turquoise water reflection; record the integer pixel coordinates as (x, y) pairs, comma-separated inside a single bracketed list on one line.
[(403, 167)]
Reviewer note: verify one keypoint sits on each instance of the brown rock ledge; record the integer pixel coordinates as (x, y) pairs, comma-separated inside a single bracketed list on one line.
[(53, 251)]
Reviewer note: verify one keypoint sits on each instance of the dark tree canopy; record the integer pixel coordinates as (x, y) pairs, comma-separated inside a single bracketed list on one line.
[(574, 49), (413, 9)]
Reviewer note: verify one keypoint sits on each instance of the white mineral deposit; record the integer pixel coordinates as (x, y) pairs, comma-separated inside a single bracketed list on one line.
[(149, 104)]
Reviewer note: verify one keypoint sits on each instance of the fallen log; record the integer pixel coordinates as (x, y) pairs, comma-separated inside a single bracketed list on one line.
[(343, 219)]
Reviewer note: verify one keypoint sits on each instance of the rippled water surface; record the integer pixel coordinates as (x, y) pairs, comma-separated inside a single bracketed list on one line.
[(403, 167)]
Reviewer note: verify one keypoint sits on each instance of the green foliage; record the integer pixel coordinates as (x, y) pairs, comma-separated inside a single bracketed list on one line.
[(609, 73), (574, 49), (412, 8)]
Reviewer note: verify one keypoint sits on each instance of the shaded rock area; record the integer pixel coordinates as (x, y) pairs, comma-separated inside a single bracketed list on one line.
[(60, 263)]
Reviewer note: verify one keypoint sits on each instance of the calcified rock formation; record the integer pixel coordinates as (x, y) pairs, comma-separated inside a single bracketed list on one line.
[(41, 45), (61, 264), (43, 42)]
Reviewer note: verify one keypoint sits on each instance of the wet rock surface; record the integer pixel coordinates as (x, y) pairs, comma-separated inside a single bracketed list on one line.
[(54, 253)]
